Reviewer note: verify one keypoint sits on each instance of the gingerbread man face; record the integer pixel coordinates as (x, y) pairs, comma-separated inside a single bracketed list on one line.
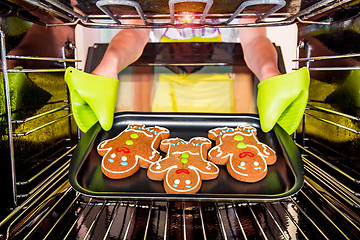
[(245, 157), (184, 166), (133, 148)]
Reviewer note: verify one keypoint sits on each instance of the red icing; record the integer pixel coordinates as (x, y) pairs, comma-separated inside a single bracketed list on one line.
[(123, 149), (182, 171), (244, 154)]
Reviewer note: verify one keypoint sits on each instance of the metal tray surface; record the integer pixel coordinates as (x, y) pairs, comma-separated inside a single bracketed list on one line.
[(284, 178)]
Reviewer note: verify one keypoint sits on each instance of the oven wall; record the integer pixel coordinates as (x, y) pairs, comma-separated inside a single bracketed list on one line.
[(331, 128), (30, 147)]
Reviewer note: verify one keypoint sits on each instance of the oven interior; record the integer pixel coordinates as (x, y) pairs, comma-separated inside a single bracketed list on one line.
[(39, 135)]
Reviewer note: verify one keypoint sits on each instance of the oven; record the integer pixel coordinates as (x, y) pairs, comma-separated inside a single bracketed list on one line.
[(41, 38)]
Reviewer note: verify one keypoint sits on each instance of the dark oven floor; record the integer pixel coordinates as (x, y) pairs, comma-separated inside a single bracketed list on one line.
[(314, 213)]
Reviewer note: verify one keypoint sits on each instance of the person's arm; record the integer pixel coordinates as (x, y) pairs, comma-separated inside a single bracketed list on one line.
[(281, 98), (125, 48), (259, 53)]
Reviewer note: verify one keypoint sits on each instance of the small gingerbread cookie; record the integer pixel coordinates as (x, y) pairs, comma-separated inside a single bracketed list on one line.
[(245, 157), (133, 148), (184, 166)]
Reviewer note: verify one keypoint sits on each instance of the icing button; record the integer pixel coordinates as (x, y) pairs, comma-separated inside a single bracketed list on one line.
[(185, 155), (134, 135), (241, 145), (238, 138), (129, 142), (184, 160)]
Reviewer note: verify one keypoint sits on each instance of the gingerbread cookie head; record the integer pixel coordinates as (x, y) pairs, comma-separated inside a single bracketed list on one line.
[(184, 166), (246, 158), (133, 148)]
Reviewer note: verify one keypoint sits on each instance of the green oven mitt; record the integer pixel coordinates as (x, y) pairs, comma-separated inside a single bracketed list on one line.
[(93, 98), (282, 99)]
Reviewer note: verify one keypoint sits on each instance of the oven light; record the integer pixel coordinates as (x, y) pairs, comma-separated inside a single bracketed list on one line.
[(187, 18)]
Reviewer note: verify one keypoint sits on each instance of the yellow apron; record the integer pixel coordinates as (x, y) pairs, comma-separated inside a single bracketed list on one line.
[(196, 92)]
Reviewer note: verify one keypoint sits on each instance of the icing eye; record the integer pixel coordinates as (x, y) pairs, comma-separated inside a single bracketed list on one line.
[(242, 164), (256, 163), (113, 155), (123, 158), (187, 182), (177, 181)]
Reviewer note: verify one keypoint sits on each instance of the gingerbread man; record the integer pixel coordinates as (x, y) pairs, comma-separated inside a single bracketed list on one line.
[(184, 166), (133, 148), (245, 157)]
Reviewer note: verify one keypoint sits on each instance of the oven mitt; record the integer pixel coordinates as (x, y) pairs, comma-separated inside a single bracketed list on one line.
[(282, 99), (93, 98)]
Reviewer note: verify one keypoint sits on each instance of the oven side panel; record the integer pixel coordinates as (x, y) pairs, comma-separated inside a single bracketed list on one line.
[(36, 126), (331, 121)]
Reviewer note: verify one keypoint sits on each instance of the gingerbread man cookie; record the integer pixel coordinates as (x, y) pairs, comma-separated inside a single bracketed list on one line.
[(245, 157), (133, 148), (184, 166)]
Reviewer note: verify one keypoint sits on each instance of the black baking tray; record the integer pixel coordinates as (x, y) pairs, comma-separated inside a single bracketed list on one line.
[(284, 178)]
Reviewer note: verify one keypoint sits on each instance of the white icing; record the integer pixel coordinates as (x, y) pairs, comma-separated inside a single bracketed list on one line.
[(119, 172), (158, 169), (203, 172), (180, 152), (113, 155), (123, 158), (242, 164), (187, 182), (256, 163), (177, 181)]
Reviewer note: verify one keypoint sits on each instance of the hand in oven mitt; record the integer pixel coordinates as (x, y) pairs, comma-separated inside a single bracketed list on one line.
[(282, 99), (93, 98)]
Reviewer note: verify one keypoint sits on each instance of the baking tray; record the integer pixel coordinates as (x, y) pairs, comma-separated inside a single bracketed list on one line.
[(284, 178)]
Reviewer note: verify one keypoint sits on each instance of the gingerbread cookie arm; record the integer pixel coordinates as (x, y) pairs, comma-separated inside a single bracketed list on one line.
[(219, 155), (158, 169), (206, 169), (103, 147)]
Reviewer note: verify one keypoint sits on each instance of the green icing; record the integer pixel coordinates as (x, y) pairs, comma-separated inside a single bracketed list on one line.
[(129, 142), (184, 160), (238, 138), (134, 135), (185, 155), (241, 145)]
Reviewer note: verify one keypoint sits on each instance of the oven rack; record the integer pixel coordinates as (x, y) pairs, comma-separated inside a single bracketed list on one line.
[(322, 112), (58, 212), (44, 164), (271, 17)]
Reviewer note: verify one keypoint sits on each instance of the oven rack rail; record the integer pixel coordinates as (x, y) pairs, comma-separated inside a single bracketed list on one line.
[(72, 17), (316, 110), (307, 215), (59, 107)]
